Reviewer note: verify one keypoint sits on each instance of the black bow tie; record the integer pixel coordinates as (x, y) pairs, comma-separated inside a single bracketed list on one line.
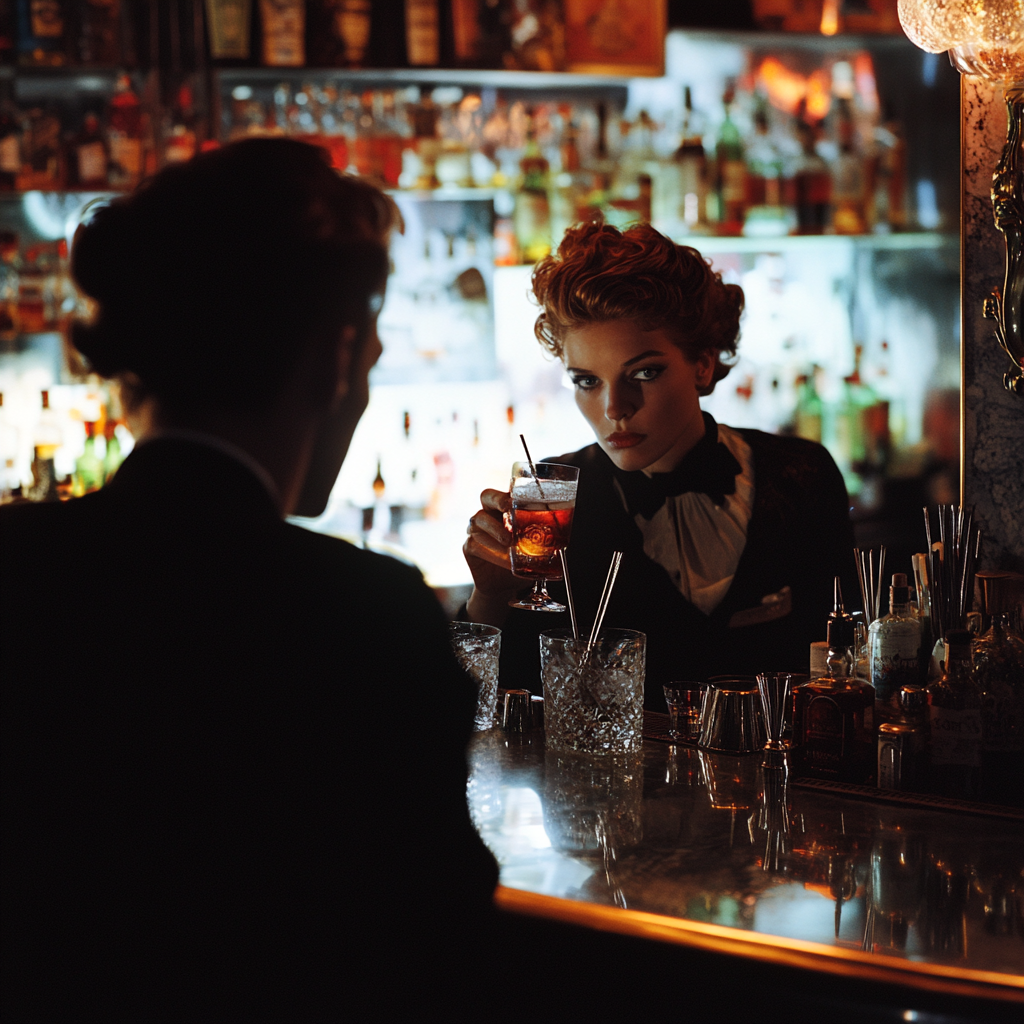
[(708, 468)]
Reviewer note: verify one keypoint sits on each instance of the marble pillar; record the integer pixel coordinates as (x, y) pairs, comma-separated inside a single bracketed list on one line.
[(992, 419)]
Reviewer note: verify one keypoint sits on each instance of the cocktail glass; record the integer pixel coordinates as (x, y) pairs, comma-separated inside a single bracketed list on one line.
[(543, 501)]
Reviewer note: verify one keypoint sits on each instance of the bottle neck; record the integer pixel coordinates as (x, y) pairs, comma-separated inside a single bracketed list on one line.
[(840, 662), (900, 608)]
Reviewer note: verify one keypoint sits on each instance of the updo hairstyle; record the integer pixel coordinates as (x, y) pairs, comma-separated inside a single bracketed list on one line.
[(213, 277), (601, 273)]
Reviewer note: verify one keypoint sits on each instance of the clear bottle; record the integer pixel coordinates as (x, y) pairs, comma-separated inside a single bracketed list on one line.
[(833, 716), (48, 438), (955, 723), (999, 670), (894, 643), (532, 214), (765, 214), (690, 163)]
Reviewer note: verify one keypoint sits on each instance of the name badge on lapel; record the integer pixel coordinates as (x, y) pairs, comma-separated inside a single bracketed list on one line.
[(772, 606)]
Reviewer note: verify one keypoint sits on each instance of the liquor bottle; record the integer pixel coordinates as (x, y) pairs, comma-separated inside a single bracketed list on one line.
[(811, 184), (47, 440), (848, 180), (895, 648), (42, 155), (10, 145), (532, 214), (690, 162), (125, 136), (10, 258), (999, 669), (180, 141), (88, 474), (833, 716), (44, 37), (423, 33), (345, 37), (99, 36), (283, 31), (730, 172), (809, 408), (955, 723), (87, 163), (112, 456), (229, 30), (765, 215)]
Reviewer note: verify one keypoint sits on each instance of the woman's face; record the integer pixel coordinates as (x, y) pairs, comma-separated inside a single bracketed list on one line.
[(638, 392)]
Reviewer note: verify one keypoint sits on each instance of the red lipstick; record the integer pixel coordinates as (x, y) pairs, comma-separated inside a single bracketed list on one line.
[(624, 439)]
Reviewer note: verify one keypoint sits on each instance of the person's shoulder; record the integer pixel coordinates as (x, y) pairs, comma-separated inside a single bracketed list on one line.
[(338, 558), (787, 450)]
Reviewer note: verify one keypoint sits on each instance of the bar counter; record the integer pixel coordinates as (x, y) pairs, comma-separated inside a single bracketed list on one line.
[(693, 848)]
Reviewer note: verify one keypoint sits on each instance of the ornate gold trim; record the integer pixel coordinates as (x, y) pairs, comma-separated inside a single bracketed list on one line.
[(1006, 306), (784, 952)]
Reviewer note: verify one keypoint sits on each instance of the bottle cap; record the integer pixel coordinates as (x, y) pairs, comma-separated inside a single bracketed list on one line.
[(899, 592), (840, 625), (1000, 590), (913, 700)]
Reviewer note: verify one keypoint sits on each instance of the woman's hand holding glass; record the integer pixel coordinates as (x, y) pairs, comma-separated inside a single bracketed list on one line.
[(487, 553)]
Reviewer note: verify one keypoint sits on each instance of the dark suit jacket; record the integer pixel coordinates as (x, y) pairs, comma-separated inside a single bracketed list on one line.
[(233, 762), (799, 536)]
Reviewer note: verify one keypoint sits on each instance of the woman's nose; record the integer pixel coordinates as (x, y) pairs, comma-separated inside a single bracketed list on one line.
[(618, 403)]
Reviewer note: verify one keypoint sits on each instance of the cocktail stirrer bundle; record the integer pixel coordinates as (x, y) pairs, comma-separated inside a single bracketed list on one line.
[(870, 583), (952, 560)]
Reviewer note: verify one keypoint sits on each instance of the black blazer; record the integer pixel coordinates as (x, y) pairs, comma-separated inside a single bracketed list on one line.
[(233, 761), (799, 536)]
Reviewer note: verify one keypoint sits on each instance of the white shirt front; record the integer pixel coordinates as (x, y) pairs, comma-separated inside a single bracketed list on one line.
[(698, 543)]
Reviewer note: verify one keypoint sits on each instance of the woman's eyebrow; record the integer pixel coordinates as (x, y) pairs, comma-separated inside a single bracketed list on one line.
[(643, 355), (576, 369)]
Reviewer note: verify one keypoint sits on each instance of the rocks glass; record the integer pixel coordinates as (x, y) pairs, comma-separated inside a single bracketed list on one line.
[(477, 647), (594, 696)]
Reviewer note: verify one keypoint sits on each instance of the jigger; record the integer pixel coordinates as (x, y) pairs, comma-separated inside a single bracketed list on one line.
[(774, 688)]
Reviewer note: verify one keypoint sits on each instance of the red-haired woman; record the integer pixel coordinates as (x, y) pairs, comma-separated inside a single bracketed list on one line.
[(731, 537)]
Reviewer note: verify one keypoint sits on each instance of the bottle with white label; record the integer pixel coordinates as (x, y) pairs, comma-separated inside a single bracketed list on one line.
[(955, 723), (894, 643)]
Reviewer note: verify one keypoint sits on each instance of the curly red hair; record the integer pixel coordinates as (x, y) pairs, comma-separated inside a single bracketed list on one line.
[(601, 273)]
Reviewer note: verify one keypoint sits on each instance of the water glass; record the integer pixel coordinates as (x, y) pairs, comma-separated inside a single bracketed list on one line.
[(477, 647), (594, 695), (685, 701)]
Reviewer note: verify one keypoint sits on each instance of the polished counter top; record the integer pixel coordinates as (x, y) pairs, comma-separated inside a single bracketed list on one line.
[(695, 848)]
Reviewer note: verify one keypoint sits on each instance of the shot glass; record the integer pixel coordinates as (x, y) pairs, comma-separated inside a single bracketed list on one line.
[(685, 702), (594, 695), (477, 647)]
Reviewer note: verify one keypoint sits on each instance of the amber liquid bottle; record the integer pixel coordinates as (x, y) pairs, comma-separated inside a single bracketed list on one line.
[(833, 717)]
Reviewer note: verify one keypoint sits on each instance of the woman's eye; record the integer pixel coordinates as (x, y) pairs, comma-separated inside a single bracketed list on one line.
[(584, 383), (648, 373)]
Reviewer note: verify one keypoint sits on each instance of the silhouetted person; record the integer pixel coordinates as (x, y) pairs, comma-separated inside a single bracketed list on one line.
[(233, 750)]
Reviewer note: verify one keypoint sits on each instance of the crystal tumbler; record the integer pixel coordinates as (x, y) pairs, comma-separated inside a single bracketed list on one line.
[(477, 647), (593, 696)]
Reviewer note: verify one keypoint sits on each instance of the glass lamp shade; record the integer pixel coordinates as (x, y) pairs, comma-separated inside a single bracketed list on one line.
[(984, 37)]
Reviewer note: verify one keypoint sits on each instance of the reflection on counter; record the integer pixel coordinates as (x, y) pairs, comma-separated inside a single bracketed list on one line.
[(708, 837)]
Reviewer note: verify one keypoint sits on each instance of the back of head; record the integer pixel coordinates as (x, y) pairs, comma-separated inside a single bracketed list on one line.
[(601, 274), (212, 279)]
